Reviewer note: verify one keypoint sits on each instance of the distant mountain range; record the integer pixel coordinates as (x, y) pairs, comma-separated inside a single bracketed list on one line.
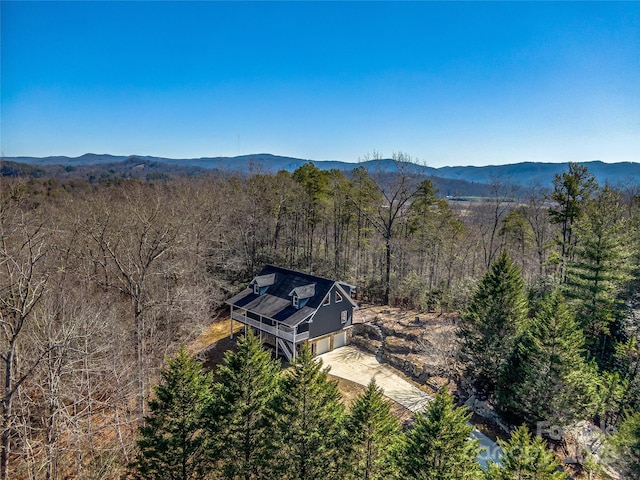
[(523, 174)]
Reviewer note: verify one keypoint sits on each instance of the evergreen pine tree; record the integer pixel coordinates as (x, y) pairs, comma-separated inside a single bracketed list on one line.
[(525, 458), (311, 422), (571, 191), (600, 269), (241, 420), (489, 326), (438, 446), (373, 436), (626, 444), (537, 381), (172, 444)]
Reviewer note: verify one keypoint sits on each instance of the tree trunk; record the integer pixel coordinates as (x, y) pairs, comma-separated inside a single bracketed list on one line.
[(387, 279)]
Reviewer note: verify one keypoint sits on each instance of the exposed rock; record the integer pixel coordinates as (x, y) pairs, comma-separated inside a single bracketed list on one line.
[(407, 363), (398, 345), (367, 344), (425, 344), (369, 330), (585, 439)]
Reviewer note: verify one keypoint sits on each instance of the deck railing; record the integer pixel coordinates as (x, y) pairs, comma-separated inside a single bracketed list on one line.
[(279, 332)]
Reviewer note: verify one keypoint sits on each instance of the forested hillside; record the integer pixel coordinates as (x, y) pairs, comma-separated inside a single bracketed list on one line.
[(522, 173), (102, 281)]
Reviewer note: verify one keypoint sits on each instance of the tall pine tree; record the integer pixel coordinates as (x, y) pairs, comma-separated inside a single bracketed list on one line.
[(172, 443), (525, 458), (241, 420), (537, 382), (571, 191), (373, 436), (438, 446), (599, 270), (311, 422), (490, 324)]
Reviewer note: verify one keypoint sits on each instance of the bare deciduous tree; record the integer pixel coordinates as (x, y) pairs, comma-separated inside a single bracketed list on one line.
[(22, 284), (130, 239)]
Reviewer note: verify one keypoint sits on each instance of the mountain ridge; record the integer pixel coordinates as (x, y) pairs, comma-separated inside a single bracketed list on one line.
[(521, 173)]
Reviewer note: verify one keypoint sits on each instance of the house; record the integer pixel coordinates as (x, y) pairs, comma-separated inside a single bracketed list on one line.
[(287, 308)]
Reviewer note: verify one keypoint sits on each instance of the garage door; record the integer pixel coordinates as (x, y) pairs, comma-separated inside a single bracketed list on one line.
[(340, 340), (323, 346)]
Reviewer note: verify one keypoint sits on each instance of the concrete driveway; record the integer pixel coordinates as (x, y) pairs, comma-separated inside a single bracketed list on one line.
[(360, 367)]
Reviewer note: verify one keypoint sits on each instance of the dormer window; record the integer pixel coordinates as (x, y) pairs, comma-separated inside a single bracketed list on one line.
[(262, 283), (301, 295)]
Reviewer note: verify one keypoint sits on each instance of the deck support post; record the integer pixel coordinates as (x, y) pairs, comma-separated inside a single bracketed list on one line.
[(294, 342)]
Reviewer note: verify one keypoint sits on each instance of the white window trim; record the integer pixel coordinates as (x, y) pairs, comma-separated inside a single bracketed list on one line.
[(338, 297), (344, 317), (326, 301), (294, 301), (256, 288)]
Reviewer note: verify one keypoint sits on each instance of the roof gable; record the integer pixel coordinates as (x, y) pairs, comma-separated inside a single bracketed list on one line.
[(306, 291), (264, 280)]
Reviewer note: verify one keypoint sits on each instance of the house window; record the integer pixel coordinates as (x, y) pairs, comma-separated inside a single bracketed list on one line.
[(256, 288), (327, 300), (344, 316), (294, 301), (338, 297)]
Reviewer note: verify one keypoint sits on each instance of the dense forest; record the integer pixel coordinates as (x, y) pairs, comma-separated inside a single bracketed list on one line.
[(102, 281)]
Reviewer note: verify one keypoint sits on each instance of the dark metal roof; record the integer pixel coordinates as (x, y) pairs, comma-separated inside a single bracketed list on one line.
[(276, 302), (270, 306)]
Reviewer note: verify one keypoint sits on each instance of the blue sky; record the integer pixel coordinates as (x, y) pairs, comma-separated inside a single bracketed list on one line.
[(453, 83)]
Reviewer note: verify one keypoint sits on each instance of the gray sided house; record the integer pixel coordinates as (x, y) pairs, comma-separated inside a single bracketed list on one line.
[(288, 309)]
